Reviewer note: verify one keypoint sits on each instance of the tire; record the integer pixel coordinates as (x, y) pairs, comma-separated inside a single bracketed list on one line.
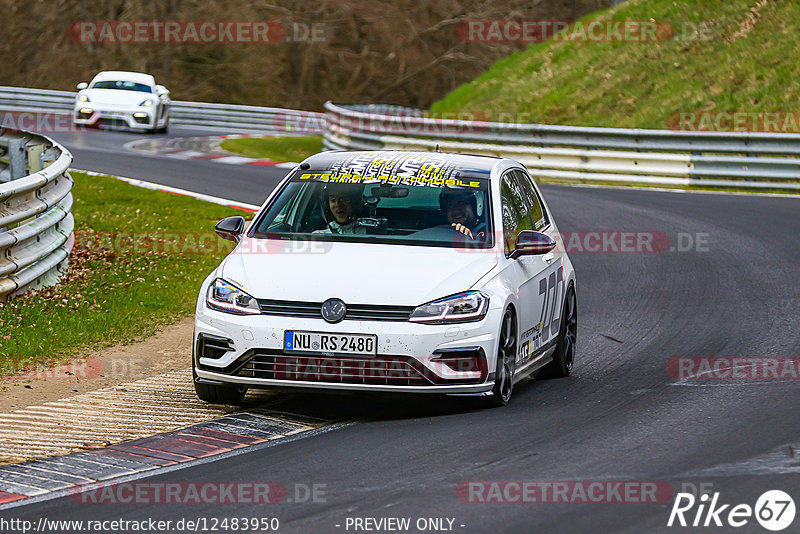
[(218, 394), (506, 358), (564, 355)]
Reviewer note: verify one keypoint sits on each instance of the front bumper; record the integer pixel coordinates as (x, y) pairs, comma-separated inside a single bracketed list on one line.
[(411, 357), (138, 117)]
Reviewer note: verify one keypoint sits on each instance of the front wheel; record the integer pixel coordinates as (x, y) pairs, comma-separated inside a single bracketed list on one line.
[(564, 355), (217, 393), (506, 358)]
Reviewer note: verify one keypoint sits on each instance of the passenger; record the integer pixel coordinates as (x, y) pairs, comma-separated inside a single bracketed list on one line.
[(461, 207), (342, 202)]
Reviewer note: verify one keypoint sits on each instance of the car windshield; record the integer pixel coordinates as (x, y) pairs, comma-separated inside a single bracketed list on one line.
[(390, 209), (121, 84)]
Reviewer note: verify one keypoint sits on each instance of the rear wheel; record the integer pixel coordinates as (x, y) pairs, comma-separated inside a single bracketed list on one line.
[(564, 355), (506, 358), (217, 393)]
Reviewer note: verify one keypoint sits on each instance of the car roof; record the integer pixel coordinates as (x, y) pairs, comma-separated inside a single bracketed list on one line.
[(127, 76), (400, 162)]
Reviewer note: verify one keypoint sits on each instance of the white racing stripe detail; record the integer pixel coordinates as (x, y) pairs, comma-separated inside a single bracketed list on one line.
[(188, 154), (234, 160)]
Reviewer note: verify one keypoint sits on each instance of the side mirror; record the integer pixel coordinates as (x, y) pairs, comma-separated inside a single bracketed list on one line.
[(530, 243), (230, 228), (81, 86), (161, 90)]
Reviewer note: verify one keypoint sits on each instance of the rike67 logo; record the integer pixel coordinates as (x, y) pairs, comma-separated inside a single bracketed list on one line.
[(774, 510)]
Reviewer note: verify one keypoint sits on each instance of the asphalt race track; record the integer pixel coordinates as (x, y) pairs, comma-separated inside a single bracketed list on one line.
[(620, 417), (103, 151)]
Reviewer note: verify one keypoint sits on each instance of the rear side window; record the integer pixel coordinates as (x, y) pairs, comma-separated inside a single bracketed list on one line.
[(515, 212), (534, 203)]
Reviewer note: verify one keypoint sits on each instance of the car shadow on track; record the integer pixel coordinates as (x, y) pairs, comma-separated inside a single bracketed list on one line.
[(369, 406)]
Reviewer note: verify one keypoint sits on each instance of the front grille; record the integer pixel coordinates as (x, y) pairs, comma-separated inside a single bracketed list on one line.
[(381, 370), (367, 312)]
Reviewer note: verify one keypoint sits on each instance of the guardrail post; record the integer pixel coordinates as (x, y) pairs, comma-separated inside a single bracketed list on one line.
[(35, 158), (16, 158)]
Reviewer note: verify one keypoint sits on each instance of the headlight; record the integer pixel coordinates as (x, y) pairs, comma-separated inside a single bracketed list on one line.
[(226, 297), (83, 98), (460, 308), (146, 103)]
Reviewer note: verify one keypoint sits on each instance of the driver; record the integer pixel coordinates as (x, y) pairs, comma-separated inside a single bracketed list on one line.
[(460, 206), (341, 202)]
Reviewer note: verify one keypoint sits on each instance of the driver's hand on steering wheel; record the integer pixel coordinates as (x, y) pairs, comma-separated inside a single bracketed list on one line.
[(458, 227)]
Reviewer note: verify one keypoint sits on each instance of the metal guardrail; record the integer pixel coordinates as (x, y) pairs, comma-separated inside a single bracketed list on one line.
[(195, 114), (565, 153), (582, 154), (36, 225)]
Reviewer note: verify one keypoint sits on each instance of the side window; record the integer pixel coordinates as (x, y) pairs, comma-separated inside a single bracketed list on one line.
[(534, 204), (515, 213)]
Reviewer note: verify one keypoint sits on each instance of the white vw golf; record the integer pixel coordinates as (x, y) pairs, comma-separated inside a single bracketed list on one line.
[(389, 271), (130, 99)]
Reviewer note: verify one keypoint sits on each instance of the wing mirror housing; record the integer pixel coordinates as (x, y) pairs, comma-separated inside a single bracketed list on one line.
[(531, 243), (230, 228), (161, 90), (81, 86)]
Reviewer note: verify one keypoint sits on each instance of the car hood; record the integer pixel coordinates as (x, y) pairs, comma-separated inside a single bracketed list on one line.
[(359, 273), (116, 96)]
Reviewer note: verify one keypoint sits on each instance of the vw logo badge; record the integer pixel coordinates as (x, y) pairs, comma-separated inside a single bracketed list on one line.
[(333, 310)]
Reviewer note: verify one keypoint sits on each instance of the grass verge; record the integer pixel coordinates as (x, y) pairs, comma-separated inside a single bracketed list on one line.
[(287, 148), (137, 265)]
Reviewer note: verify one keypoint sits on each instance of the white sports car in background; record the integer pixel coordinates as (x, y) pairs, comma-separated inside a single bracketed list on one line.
[(390, 271), (124, 98)]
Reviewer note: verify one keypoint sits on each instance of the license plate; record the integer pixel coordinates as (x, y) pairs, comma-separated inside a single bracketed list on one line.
[(324, 343)]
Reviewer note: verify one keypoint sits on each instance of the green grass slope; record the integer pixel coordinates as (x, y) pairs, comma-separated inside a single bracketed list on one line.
[(743, 58)]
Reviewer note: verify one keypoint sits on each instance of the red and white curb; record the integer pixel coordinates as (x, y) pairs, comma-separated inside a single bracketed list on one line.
[(127, 429), (252, 208), (222, 437)]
